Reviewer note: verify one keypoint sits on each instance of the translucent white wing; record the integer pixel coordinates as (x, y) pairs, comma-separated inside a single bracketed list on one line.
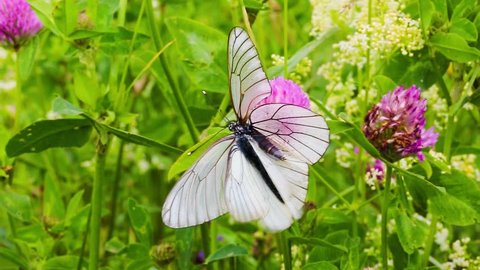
[(291, 180), (249, 198), (246, 193), (248, 82), (199, 194), (301, 134)]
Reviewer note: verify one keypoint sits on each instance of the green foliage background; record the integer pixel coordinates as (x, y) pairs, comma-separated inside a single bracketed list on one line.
[(102, 72)]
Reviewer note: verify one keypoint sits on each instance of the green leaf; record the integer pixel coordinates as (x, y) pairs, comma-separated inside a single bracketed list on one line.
[(454, 47), (445, 205), (183, 247), (26, 58), (316, 242), (142, 264), (140, 222), (138, 139), (61, 262), (137, 251), (53, 207), (319, 265), (193, 153), (17, 205), (464, 28), (86, 86), (384, 84), (46, 134), (463, 9), (115, 245), (303, 52), (74, 205), (400, 257), (44, 11), (62, 106), (228, 251), (13, 257), (411, 233), (202, 50), (337, 127), (426, 9), (357, 135)]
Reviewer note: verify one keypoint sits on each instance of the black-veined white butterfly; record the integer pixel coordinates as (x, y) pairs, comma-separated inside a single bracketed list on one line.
[(260, 172)]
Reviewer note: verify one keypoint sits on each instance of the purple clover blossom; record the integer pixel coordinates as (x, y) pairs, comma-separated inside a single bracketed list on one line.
[(396, 125), (200, 258), (287, 92), (18, 23)]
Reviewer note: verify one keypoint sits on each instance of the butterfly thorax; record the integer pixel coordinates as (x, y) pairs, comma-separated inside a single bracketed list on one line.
[(239, 128)]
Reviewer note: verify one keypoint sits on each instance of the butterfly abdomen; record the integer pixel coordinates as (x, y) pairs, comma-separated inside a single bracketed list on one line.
[(244, 145), (267, 146)]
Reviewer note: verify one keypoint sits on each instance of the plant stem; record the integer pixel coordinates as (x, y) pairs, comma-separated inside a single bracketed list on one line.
[(285, 38), (116, 184), (185, 114), (205, 231), (18, 94), (386, 202), (367, 64), (284, 247), (429, 243), (97, 205)]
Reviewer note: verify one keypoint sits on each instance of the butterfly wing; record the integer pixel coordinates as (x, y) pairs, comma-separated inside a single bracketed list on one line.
[(248, 82), (199, 194), (291, 180), (299, 133), (246, 193)]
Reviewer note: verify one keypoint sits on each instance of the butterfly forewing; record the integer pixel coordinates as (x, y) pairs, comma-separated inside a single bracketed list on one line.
[(199, 194), (301, 134), (248, 82)]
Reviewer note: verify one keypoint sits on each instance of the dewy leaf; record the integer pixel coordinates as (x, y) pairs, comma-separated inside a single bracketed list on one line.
[(61, 106), (454, 47), (140, 221), (46, 134), (228, 251), (202, 50)]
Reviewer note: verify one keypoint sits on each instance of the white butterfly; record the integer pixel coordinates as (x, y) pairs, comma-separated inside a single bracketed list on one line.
[(260, 172)]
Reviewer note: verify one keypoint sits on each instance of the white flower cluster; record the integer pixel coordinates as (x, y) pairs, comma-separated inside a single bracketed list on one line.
[(300, 71), (371, 177), (388, 33), (441, 237), (467, 165), (437, 105), (345, 155), (459, 259), (327, 14)]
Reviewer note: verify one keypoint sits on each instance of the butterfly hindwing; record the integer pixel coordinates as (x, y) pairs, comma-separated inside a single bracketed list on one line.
[(199, 194), (248, 82), (300, 133)]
